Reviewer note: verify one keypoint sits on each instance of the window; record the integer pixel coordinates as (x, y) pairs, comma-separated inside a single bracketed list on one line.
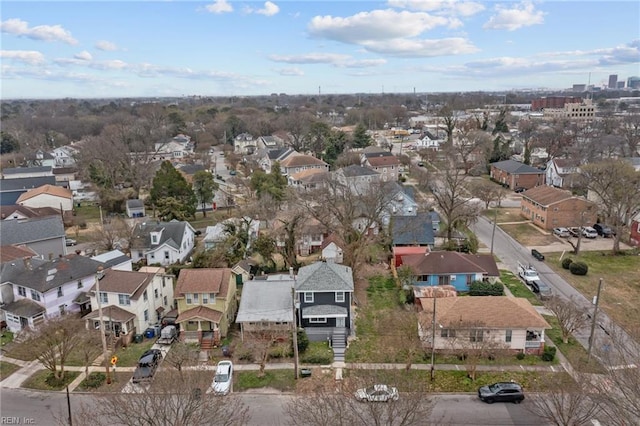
[(35, 295), (156, 294), (22, 291), (308, 297), (146, 315), (317, 320), (166, 254), (79, 283), (60, 292), (153, 256), (154, 239), (212, 298), (339, 296), (446, 333), (164, 283), (205, 299), (145, 296), (444, 279), (475, 335), (507, 336), (62, 309), (123, 299), (164, 301), (189, 299), (104, 297), (196, 298)]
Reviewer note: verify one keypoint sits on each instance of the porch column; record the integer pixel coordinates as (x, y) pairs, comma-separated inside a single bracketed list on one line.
[(199, 325)]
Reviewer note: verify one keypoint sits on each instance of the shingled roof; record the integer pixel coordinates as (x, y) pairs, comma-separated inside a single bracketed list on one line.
[(451, 262), (56, 191), (516, 167), (204, 280), (172, 234), (323, 276), (546, 195), (31, 230)]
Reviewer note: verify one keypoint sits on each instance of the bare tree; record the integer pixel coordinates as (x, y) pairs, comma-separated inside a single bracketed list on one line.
[(565, 401), (172, 400), (260, 344), (181, 355), (90, 347), (405, 341), (570, 316), (485, 190), (470, 144)]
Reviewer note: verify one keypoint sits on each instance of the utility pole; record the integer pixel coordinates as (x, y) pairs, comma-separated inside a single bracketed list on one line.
[(433, 339), (295, 334), (69, 407), (493, 232), (596, 302), (103, 336)]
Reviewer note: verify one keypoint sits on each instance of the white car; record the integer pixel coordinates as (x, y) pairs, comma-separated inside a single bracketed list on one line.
[(223, 380), (562, 232), (589, 232), (377, 393)]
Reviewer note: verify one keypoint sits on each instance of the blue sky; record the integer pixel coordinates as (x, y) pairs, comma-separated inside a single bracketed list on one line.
[(92, 49)]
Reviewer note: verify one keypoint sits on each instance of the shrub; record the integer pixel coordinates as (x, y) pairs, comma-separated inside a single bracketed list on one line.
[(246, 355), (566, 262), (578, 268), (479, 288), (303, 340), (95, 380), (520, 355), (549, 353), (317, 358)]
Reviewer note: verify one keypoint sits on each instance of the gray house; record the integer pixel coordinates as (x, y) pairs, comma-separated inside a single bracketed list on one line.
[(135, 208), (44, 235), (324, 291)]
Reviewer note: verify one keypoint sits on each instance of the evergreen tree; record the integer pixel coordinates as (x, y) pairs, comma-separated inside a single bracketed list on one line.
[(204, 186), (361, 138), (169, 183)]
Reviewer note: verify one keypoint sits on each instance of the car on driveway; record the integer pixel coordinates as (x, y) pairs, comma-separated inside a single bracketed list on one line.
[(501, 392), (223, 379), (589, 232), (604, 230), (377, 393), (561, 232), (70, 242), (147, 365)]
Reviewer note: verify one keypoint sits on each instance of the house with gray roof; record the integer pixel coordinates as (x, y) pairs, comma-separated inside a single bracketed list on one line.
[(11, 189), (33, 289), (43, 235), (26, 172), (412, 230), (514, 174), (135, 208), (324, 291), (266, 305), (163, 243)]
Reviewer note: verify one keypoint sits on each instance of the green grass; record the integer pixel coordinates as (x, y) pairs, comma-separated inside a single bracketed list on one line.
[(18, 351), (7, 368), (506, 360), (6, 337), (282, 380), (575, 353), (317, 353), (129, 356), (89, 212), (38, 380), (517, 287), (118, 382)]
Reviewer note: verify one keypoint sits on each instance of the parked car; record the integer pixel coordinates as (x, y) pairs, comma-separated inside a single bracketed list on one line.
[(589, 232), (541, 289), (535, 253), (519, 189), (501, 392), (574, 231), (562, 232), (70, 242), (377, 393), (604, 230), (223, 379), (147, 365)]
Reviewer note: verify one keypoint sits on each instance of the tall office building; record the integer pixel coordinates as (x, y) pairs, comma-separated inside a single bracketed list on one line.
[(633, 82), (613, 81)]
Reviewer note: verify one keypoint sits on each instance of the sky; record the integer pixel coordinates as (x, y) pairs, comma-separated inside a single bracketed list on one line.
[(117, 48)]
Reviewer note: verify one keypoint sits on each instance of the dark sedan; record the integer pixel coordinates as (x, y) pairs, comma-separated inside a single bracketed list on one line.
[(147, 365), (501, 392)]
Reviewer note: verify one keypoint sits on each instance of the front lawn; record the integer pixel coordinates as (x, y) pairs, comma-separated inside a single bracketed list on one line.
[(98, 383), (282, 380), (575, 353), (518, 288), (129, 356), (44, 380), (7, 368), (528, 234), (317, 353), (620, 296), (6, 337)]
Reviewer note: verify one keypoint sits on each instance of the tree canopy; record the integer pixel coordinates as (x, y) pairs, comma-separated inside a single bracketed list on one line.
[(172, 194), (204, 187)]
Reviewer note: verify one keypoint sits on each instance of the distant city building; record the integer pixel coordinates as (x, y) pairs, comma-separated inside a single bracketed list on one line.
[(584, 110), (579, 87), (633, 82), (620, 85), (553, 102), (613, 81)]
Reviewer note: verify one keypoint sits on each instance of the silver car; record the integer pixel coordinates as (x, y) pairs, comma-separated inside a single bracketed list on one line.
[(377, 393), (562, 232)]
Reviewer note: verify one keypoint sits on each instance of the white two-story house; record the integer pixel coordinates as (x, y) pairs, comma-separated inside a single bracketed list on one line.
[(163, 243)]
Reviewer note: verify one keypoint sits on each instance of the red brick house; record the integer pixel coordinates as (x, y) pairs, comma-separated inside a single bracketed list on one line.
[(514, 174), (549, 207)]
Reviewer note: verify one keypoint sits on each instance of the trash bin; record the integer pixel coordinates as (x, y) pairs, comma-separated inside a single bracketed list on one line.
[(149, 333), (156, 329), (305, 372), (138, 338), (226, 351)]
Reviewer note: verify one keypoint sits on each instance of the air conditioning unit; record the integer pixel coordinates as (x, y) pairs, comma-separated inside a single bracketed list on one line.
[(453, 277)]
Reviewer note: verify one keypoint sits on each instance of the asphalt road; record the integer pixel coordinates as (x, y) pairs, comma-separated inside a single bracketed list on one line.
[(42, 408), (510, 252)]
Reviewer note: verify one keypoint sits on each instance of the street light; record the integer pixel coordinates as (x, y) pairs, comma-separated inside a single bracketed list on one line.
[(103, 336)]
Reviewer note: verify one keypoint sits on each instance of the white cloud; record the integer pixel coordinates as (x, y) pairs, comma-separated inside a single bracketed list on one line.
[(219, 6), (21, 28), (269, 9), (422, 48), (293, 72), (30, 57), (363, 63), (310, 58), (462, 8), (511, 19), (106, 45), (83, 56)]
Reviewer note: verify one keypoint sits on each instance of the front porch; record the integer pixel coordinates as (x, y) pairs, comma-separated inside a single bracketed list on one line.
[(200, 325), (23, 314)]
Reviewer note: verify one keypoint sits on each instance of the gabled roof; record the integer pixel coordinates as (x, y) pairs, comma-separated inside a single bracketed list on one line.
[(546, 195), (135, 203), (516, 167), (111, 312), (332, 238), (24, 308), (172, 234), (280, 153), (200, 312), (43, 275), (125, 282), (266, 300), (413, 230), (451, 262), (300, 160), (30, 230), (112, 258), (491, 312), (383, 161), (322, 276), (378, 152), (9, 253), (27, 212), (356, 171), (204, 280), (56, 191), (308, 174), (22, 184), (21, 170)]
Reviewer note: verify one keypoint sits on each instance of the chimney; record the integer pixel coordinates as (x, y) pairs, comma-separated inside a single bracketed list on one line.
[(100, 273), (27, 263)]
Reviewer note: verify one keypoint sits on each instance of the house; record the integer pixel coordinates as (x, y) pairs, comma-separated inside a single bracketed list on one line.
[(34, 289), (561, 173), (115, 259), (162, 242), (269, 142), (26, 172), (207, 304), (400, 251), (485, 324), (11, 189), (11, 253), (296, 163), (309, 236), (218, 233), (266, 158), (324, 291), (513, 174), (357, 178), (65, 156), (331, 248), (135, 208), (64, 176), (267, 305), (452, 268), (18, 212), (412, 230), (244, 270), (51, 196), (549, 207), (244, 144), (131, 301), (385, 163), (308, 179), (41, 158), (430, 141), (634, 230), (401, 201), (44, 235)]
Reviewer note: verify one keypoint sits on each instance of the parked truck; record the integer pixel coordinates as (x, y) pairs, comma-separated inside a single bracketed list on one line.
[(528, 273), (168, 335)]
